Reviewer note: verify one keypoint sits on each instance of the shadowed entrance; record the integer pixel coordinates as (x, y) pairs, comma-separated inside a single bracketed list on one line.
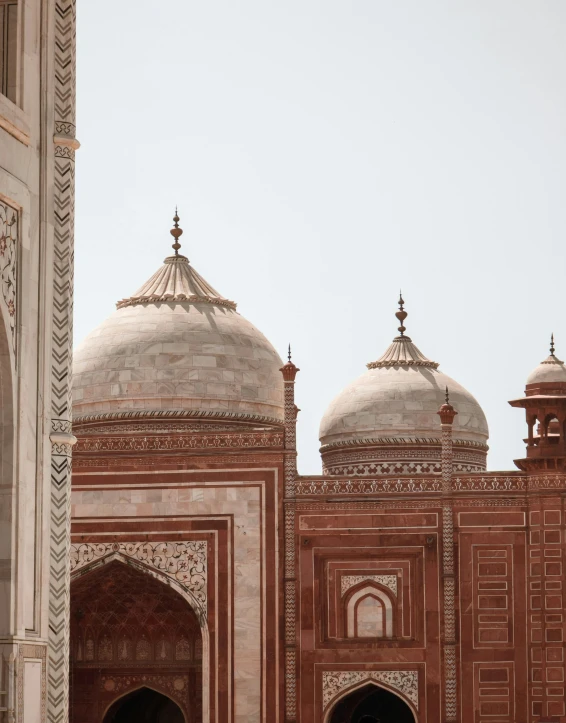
[(144, 706), (371, 704), (132, 635)]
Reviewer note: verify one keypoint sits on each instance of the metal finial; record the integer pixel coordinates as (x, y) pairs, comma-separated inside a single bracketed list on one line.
[(289, 353), (447, 397), (176, 232), (552, 344), (401, 315)]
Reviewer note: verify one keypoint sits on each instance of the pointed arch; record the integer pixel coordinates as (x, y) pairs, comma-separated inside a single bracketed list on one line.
[(359, 685), (369, 611), (140, 565), (150, 686), (182, 591)]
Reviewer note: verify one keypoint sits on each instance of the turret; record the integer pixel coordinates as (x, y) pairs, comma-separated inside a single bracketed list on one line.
[(545, 408)]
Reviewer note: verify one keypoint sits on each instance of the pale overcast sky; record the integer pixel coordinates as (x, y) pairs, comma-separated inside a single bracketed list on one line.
[(325, 154)]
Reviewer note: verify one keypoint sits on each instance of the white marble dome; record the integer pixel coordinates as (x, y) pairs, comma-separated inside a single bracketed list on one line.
[(177, 346), (550, 370), (401, 402), (386, 421)]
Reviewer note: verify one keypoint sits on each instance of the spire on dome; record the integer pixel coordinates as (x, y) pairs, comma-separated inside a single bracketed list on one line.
[(552, 358), (176, 232), (401, 315), (176, 280), (402, 351)]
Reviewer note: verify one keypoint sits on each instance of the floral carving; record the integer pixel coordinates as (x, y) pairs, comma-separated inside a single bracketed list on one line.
[(8, 262), (405, 682), (349, 581), (185, 562)]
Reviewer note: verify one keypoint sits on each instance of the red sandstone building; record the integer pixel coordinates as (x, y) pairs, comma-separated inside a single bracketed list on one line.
[(212, 583)]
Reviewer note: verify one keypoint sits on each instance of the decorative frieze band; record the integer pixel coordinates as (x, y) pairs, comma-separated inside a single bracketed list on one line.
[(184, 562), (411, 485), (405, 682), (399, 467), (170, 442)]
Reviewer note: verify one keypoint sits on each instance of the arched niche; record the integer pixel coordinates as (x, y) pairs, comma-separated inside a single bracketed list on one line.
[(369, 611), (133, 612), (370, 702)]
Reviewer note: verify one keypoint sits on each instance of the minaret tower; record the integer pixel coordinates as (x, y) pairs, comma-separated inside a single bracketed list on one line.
[(545, 407)]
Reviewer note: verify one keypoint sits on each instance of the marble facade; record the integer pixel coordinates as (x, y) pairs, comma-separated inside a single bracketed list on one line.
[(37, 145)]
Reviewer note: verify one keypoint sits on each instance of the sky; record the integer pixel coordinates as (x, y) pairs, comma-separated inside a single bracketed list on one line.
[(324, 155)]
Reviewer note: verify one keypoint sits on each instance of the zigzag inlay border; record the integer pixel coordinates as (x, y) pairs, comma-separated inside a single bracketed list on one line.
[(61, 361)]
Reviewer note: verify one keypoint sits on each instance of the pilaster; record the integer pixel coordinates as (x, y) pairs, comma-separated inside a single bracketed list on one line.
[(61, 359), (450, 687), (289, 372)]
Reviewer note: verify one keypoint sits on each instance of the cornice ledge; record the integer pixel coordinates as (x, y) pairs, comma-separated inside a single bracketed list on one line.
[(66, 141), (63, 438), (398, 442), (176, 414)]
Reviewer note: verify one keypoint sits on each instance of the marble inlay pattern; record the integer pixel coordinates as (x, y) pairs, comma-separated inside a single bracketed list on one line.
[(404, 681), (348, 581), (185, 562), (8, 262)]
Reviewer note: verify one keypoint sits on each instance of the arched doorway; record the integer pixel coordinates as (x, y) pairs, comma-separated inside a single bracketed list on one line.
[(130, 631), (371, 704), (144, 706)]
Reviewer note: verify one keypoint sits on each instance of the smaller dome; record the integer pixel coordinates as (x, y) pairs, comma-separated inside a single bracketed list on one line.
[(551, 370), (386, 421)]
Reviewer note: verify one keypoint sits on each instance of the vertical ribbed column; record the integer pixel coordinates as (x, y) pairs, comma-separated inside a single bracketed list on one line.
[(289, 372), (447, 414), (61, 437)]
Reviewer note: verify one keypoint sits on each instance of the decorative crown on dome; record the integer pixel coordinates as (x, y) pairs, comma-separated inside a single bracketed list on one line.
[(402, 351), (176, 280), (552, 358)]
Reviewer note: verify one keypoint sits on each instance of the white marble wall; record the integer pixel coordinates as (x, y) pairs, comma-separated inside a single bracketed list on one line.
[(27, 130)]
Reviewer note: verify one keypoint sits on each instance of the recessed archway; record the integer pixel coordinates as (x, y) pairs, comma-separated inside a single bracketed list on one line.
[(131, 631), (144, 705), (370, 703)]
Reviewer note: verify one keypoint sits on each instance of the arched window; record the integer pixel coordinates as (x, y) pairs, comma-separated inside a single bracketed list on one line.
[(369, 613)]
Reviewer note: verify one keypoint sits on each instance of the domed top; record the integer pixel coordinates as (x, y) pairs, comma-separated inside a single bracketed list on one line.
[(177, 347), (550, 370), (397, 400)]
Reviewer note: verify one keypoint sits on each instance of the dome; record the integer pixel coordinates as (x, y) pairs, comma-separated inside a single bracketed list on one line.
[(387, 420), (401, 402), (550, 370), (177, 347)]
